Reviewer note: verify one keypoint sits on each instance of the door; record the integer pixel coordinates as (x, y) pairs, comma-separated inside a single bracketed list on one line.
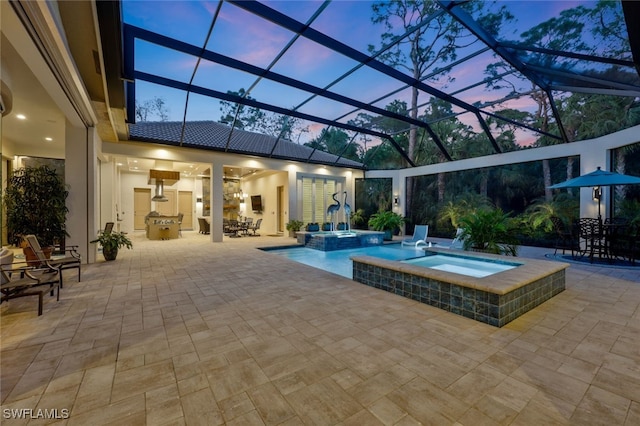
[(281, 208), (141, 206), (185, 206), (168, 208)]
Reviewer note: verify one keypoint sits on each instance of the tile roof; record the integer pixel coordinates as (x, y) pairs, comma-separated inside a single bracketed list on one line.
[(214, 136)]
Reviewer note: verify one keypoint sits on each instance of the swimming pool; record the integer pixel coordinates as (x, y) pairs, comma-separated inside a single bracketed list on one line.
[(469, 288), (339, 262)]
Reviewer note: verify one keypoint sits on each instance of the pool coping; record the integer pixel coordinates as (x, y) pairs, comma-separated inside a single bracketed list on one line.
[(501, 283)]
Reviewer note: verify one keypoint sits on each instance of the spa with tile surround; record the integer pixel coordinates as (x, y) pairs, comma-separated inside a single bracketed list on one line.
[(340, 240), (494, 299)]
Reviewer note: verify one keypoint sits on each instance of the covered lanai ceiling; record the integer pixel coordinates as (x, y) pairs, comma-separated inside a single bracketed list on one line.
[(485, 77)]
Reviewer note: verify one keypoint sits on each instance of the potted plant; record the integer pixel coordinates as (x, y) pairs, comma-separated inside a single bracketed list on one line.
[(386, 221), (312, 227), (111, 242), (358, 218), (490, 231), (294, 226), (35, 199)]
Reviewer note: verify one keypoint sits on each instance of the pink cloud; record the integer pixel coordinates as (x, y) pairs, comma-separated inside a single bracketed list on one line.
[(246, 37)]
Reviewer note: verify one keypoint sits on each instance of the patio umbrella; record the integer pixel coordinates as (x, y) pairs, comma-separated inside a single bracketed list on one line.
[(598, 178)]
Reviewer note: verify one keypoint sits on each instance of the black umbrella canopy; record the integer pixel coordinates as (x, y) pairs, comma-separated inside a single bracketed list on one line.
[(598, 178)]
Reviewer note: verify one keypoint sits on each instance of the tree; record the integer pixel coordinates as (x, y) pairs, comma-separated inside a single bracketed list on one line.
[(433, 39), (384, 155), (254, 119), (238, 115), (152, 108), (567, 32)]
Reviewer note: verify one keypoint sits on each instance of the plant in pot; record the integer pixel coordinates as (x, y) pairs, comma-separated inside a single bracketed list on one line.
[(294, 226), (312, 227), (111, 242), (358, 218), (386, 221), (35, 201), (489, 230)]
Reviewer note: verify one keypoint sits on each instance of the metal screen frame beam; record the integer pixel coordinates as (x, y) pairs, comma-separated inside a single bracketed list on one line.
[(152, 78), (161, 40)]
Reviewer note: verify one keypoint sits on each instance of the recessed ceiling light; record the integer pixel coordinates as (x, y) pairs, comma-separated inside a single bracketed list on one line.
[(48, 139), (21, 117)]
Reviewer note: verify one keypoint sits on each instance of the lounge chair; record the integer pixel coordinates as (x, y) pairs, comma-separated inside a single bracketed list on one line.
[(419, 236), (457, 242), (72, 261), (22, 281)]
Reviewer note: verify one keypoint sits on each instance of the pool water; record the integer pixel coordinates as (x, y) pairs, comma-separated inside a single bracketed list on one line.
[(338, 261), (461, 265)]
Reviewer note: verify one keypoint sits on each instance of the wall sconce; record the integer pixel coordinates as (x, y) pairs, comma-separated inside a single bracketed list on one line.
[(596, 193), (396, 200)]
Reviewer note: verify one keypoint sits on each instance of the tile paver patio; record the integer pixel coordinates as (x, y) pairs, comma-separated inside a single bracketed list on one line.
[(190, 332)]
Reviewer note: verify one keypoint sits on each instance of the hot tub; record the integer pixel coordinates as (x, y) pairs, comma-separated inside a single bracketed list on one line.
[(495, 298), (464, 265), (340, 240)]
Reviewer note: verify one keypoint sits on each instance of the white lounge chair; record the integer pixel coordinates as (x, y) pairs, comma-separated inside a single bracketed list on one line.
[(456, 243), (419, 236)]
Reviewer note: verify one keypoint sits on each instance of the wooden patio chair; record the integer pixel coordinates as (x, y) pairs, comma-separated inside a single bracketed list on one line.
[(22, 281), (72, 261)]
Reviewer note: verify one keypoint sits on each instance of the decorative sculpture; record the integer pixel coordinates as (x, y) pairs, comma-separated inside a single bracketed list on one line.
[(333, 209)]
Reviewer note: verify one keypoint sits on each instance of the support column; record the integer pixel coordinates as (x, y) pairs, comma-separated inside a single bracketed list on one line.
[(217, 201), (295, 212), (76, 169), (590, 160), (398, 188)]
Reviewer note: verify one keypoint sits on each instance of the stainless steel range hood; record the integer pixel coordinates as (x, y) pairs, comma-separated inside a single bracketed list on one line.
[(159, 191), (159, 178)]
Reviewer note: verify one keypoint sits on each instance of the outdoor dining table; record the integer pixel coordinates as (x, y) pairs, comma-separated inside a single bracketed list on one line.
[(603, 240), (239, 228)]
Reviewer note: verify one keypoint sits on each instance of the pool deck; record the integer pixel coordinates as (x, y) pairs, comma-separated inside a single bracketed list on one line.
[(189, 332)]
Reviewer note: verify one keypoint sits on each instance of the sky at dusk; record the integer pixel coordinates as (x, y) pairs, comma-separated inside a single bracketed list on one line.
[(243, 36)]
